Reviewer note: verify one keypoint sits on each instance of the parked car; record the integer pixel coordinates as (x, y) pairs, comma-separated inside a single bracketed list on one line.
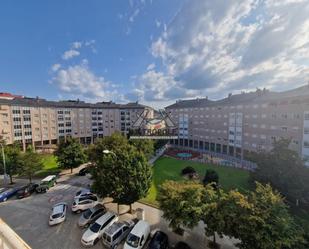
[(96, 230), (116, 233), (182, 245), (138, 236), (91, 214), (27, 190), (83, 193), (83, 203), (84, 171), (159, 241), (58, 213), (46, 183), (6, 193)]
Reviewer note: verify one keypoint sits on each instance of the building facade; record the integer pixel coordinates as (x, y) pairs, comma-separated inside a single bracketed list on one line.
[(244, 122), (40, 123)]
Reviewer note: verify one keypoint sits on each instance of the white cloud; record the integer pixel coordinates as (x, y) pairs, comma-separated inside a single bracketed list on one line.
[(55, 67), (134, 15), (79, 80), (70, 54), (158, 23), (151, 66), (76, 45), (214, 47)]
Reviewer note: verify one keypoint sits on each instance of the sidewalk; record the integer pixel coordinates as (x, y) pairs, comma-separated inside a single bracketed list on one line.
[(195, 237)]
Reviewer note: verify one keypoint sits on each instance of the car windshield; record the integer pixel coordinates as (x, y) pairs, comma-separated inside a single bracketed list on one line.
[(95, 227), (78, 193), (55, 216), (132, 240), (87, 214)]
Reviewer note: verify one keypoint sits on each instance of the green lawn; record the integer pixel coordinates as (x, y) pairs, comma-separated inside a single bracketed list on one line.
[(166, 168), (50, 166)]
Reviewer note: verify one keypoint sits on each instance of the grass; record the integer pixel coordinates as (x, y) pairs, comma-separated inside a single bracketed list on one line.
[(50, 166), (166, 168)]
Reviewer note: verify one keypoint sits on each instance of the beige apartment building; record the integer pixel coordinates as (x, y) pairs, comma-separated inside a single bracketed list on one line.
[(41, 123), (244, 122)]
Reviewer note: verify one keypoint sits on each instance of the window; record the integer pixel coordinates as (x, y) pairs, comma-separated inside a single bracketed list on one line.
[(306, 117)]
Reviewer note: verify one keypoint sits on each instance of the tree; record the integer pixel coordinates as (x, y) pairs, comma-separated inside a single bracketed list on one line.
[(31, 162), (70, 154), (144, 145), (121, 171), (211, 177), (13, 160), (213, 214), (261, 220), (284, 170), (181, 203)]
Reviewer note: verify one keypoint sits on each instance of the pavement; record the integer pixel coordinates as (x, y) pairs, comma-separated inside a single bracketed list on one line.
[(28, 217)]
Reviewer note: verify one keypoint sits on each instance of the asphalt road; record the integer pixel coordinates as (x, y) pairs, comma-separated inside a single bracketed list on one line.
[(28, 217)]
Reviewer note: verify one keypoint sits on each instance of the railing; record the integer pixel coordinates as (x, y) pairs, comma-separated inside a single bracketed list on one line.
[(9, 239)]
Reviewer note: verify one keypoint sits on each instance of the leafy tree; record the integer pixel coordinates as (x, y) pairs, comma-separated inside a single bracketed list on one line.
[(12, 160), (144, 145), (211, 177), (284, 170), (121, 171), (181, 203), (70, 154), (260, 220), (213, 215), (31, 162)]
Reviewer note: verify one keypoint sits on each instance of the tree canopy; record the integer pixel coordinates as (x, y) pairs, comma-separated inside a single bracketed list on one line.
[(70, 154), (284, 170), (12, 160), (31, 163), (144, 145), (259, 219), (211, 177), (121, 170)]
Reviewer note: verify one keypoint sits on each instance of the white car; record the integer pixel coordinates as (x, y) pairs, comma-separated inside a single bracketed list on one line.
[(138, 236), (93, 234), (83, 203), (83, 193), (58, 213)]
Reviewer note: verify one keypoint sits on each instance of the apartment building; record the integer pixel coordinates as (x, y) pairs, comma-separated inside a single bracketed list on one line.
[(244, 122), (38, 122)]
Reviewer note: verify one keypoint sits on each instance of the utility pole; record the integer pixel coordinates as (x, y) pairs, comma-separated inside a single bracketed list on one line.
[(4, 166)]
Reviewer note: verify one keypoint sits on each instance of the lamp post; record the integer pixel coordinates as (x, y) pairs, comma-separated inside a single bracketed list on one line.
[(4, 166), (106, 152)]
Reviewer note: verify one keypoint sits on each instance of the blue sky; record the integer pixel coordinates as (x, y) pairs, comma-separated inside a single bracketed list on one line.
[(154, 51)]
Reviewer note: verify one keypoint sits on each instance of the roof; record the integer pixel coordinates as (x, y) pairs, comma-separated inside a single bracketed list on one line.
[(38, 102), (140, 227), (260, 95), (57, 209), (48, 178), (104, 217), (114, 228)]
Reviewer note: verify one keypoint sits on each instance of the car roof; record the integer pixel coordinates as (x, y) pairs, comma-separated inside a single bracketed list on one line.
[(104, 217), (97, 207), (49, 178), (114, 228), (140, 227), (58, 208)]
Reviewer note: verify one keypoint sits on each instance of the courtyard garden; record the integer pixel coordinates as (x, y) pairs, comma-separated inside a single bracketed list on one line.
[(167, 168)]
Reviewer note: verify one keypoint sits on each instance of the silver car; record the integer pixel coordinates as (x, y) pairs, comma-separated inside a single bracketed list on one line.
[(91, 214), (116, 233)]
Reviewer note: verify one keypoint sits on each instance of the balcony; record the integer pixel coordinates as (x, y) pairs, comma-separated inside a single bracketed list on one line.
[(9, 239)]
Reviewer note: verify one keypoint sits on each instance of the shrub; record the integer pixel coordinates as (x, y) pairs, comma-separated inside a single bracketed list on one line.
[(188, 170)]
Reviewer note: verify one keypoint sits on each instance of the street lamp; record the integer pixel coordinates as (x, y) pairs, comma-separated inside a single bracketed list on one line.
[(109, 152), (4, 166)]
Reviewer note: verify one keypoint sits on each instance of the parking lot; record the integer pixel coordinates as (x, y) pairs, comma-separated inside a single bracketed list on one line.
[(29, 217)]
